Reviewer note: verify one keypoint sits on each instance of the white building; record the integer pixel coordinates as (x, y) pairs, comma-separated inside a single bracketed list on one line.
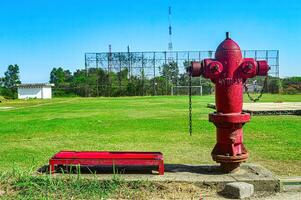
[(36, 90)]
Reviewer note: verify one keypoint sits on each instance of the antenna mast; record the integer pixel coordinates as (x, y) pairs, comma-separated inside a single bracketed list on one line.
[(170, 47)]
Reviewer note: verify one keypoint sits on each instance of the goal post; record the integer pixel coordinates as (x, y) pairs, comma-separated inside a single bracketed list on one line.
[(184, 90)]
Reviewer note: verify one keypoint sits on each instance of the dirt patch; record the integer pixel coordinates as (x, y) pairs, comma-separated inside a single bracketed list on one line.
[(165, 190), (176, 190)]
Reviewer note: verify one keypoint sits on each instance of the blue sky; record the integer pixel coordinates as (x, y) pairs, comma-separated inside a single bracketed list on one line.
[(39, 35)]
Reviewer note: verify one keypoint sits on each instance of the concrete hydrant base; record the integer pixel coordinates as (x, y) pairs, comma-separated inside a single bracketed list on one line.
[(260, 177), (209, 175)]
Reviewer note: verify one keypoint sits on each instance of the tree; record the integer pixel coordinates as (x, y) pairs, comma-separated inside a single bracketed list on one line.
[(274, 85), (10, 81), (292, 85), (79, 82), (1, 86), (62, 80), (57, 75), (171, 72)]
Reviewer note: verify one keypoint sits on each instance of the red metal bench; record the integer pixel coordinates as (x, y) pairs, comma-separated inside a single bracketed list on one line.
[(107, 158)]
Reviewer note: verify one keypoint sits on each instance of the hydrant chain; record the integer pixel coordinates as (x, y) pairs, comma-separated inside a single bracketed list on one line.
[(190, 104), (260, 93)]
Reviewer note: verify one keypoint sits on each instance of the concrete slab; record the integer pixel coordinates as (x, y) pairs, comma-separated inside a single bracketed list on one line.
[(209, 175), (284, 108)]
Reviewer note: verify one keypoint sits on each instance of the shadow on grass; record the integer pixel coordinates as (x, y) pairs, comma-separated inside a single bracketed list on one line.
[(194, 169), (169, 168)]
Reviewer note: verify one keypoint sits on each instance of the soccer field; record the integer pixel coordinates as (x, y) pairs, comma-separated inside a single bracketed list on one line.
[(33, 130)]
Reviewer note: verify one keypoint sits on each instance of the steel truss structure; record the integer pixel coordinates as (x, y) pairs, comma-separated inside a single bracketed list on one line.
[(149, 64)]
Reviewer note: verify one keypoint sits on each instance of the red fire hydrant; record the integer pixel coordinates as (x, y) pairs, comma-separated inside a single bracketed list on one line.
[(228, 71)]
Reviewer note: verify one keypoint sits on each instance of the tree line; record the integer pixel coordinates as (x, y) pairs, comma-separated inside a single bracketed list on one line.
[(99, 82)]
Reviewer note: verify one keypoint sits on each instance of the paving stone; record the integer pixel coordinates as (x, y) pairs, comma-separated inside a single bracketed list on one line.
[(239, 190)]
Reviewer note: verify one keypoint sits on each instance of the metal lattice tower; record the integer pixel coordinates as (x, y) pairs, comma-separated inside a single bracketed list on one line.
[(147, 66), (170, 47)]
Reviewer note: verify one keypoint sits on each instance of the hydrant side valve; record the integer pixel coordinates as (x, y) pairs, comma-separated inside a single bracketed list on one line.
[(263, 68), (250, 68), (195, 69), (212, 69)]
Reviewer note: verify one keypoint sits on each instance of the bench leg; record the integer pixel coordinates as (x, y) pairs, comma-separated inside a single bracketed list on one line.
[(51, 167), (161, 167)]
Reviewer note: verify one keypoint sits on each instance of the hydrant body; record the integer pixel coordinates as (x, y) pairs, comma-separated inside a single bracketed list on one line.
[(228, 71)]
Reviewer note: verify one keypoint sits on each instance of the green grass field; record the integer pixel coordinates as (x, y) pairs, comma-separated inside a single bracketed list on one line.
[(33, 130)]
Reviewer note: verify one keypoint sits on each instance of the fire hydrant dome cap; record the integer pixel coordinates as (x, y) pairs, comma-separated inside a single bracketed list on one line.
[(228, 44)]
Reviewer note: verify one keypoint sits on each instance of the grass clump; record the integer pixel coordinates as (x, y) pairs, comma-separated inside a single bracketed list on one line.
[(24, 185)]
